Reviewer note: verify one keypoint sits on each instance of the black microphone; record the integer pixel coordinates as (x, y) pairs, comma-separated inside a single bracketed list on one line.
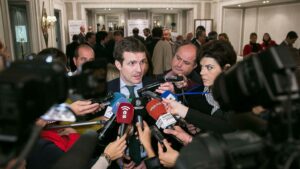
[(148, 87), (106, 99), (82, 151), (173, 78), (109, 124), (150, 94), (139, 110)]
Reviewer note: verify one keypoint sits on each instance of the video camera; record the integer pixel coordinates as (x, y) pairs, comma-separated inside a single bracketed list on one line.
[(29, 88), (266, 79)]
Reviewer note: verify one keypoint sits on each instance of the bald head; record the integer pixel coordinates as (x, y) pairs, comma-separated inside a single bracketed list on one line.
[(185, 59), (83, 53)]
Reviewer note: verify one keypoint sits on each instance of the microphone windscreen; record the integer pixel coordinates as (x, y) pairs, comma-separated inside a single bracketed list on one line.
[(169, 95), (125, 113), (117, 96), (155, 108), (82, 151), (116, 104)]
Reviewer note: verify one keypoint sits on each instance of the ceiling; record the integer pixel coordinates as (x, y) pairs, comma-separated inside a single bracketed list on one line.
[(153, 10), (256, 3)]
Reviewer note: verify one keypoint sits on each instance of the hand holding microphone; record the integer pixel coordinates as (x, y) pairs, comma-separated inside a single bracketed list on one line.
[(183, 83), (175, 107), (169, 157), (164, 87), (145, 138), (82, 107), (116, 149), (180, 134)]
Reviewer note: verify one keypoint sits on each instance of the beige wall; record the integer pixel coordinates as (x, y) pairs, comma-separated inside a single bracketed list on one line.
[(277, 20)]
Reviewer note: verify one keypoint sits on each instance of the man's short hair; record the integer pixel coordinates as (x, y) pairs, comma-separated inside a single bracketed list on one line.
[(199, 33), (213, 35), (76, 53), (292, 35), (200, 28), (147, 30), (128, 44), (157, 32), (135, 31), (75, 37), (118, 33), (89, 35), (253, 34), (101, 35)]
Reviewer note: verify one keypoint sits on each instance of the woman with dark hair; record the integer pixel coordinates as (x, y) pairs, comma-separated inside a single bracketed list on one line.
[(252, 46), (267, 42), (216, 57)]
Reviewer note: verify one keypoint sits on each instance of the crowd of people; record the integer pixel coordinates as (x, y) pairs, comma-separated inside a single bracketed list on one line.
[(135, 62)]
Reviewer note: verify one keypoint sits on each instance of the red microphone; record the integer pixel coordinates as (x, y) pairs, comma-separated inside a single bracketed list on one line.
[(125, 115), (157, 111)]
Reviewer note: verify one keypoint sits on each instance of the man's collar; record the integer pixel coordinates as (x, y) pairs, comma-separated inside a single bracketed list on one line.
[(123, 84)]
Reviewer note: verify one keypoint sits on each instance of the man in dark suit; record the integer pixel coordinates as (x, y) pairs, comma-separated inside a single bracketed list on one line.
[(135, 32), (290, 39), (130, 60), (184, 63), (82, 34)]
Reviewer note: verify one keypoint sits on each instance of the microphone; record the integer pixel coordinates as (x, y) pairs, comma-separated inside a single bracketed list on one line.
[(169, 95), (118, 99), (104, 100), (157, 111), (139, 110), (148, 87), (125, 115), (88, 123), (109, 124), (173, 78), (83, 148), (112, 109), (150, 94)]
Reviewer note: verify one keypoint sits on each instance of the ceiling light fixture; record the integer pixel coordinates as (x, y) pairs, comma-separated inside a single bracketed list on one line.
[(239, 5)]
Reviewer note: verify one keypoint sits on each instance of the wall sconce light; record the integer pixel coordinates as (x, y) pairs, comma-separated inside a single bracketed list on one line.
[(46, 23)]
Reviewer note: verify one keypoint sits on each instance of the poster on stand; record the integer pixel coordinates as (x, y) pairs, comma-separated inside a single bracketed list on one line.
[(74, 27)]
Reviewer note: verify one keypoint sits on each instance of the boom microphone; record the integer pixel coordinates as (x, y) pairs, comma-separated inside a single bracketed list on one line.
[(125, 115)]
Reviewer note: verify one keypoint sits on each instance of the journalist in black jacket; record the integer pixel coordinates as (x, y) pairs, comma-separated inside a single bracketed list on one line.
[(216, 57)]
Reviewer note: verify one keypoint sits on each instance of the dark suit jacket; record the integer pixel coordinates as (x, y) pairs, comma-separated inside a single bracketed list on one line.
[(81, 38), (114, 86), (101, 51)]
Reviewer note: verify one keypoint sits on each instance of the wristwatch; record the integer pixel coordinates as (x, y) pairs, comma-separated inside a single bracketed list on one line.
[(107, 157)]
